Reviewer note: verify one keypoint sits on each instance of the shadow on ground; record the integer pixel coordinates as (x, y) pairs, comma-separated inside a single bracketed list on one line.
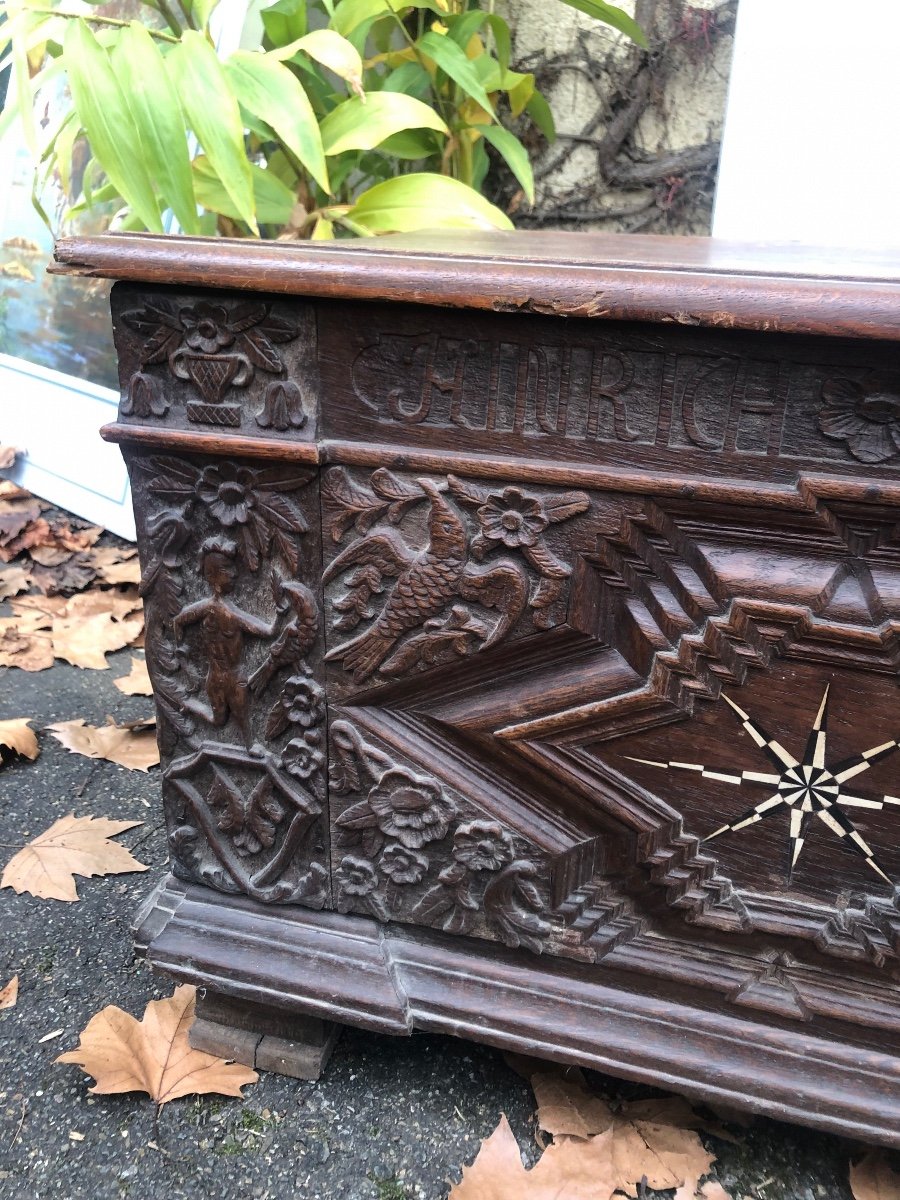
[(392, 1119)]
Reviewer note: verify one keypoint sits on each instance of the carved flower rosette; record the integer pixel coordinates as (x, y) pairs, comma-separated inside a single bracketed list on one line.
[(864, 415), (406, 850)]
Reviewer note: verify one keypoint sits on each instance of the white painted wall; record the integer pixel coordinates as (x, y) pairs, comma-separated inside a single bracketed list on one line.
[(54, 419), (811, 149)]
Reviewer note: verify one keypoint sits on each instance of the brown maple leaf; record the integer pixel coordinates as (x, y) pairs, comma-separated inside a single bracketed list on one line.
[(132, 745), (574, 1168), (153, 1055), (85, 641), (115, 566), (27, 649), (137, 683), (9, 995), (652, 1139), (16, 735), (13, 579), (873, 1178), (71, 846)]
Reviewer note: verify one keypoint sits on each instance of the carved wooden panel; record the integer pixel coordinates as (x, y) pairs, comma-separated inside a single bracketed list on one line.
[(653, 727), (681, 741), (524, 634), (204, 361), (230, 553), (762, 406)]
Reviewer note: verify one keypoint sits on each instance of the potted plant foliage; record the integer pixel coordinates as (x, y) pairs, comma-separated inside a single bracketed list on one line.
[(334, 118)]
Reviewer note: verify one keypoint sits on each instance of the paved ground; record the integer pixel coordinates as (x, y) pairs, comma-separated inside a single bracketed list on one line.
[(391, 1120)]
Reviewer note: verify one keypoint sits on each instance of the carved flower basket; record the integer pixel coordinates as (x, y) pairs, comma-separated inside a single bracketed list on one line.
[(522, 619)]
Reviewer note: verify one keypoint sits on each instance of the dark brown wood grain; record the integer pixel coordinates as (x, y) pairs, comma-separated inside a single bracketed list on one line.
[(670, 280), (523, 621)]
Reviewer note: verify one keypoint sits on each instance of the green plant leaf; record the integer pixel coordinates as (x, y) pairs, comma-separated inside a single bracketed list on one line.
[(520, 89), (111, 131), (611, 15), (461, 29), (44, 76), (362, 125), (424, 201), (323, 230), (453, 62), (284, 21), (410, 78), (202, 10), (212, 111), (273, 200), (332, 51), (350, 14), (514, 155), (274, 94), (411, 145), (540, 112), (140, 68)]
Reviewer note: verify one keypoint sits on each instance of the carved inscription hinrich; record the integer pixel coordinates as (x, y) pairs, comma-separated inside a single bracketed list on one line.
[(537, 388)]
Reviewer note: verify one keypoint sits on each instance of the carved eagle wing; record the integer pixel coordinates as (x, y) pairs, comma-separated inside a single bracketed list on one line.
[(386, 551)]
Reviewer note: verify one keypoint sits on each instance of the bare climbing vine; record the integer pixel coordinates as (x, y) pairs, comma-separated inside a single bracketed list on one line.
[(626, 168)]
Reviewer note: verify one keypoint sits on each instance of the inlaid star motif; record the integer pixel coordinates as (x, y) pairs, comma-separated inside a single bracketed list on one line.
[(806, 787)]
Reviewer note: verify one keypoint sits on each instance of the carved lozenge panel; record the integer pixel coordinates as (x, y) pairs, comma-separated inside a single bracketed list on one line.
[(231, 556), (216, 361), (758, 406)]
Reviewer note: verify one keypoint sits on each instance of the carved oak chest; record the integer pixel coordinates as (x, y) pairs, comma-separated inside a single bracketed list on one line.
[(522, 618)]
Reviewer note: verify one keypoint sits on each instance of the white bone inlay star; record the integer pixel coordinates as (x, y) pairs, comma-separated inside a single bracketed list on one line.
[(806, 786)]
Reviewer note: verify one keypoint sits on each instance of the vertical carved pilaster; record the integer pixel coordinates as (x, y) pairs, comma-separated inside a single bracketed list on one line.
[(234, 648), (231, 564)]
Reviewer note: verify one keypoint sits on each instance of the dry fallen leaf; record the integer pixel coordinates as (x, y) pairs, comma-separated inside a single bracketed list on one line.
[(29, 650), (566, 1107), (71, 846), (153, 1055), (711, 1190), (126, 745), (13, 579), (115, 566), (647, 1138), (85, 641), (10, 994), (16, 736), (137, 683), (573, 1169), (81, 629), (873, 1178)]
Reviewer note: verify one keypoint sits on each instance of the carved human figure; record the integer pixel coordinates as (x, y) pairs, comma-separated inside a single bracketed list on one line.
[(223, 629)]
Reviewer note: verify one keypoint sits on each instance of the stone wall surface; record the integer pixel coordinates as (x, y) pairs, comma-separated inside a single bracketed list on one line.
[(638, 131)]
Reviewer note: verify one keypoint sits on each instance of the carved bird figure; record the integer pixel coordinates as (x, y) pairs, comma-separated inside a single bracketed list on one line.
[(295, 637), (426, 581)]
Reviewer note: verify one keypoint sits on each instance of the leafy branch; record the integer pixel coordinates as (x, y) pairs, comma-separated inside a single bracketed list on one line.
[(356, 128)]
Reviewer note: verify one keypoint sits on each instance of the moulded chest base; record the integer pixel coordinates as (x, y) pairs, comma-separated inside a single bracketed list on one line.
[(394, 979)]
